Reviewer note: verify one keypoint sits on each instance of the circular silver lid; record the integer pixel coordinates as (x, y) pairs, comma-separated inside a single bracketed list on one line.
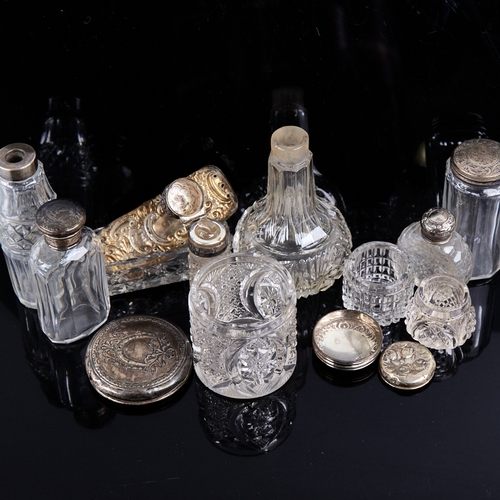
[(437, 225), (477, 161), (407, 365), (61, 222), (17, 162), (184, 199), (347, 340), (208, 238), (138, 360)]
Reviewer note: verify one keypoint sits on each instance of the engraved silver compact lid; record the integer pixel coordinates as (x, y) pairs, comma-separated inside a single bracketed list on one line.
[(184, 199), (208, 238), (407, 365), (477, 161), (61, 222), (136, 360), (437, 225), (347, 340), (17, 162)]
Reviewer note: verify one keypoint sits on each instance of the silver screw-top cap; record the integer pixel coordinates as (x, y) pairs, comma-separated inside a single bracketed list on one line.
[(17, 162), (438, 225), (183, 199), (61, 222), (208, 238), (477, 161)]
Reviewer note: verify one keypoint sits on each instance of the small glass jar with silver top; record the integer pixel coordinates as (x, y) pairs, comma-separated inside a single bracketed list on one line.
[(206, 239), (23, 189), (70, 278), (435, 247), (472, 195)]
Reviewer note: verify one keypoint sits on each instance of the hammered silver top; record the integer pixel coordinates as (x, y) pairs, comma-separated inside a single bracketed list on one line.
[(183, 198), (347, 340), (477, 161), (17, 162), (437, 225), (407, 365), (137, 360), (208, 237)]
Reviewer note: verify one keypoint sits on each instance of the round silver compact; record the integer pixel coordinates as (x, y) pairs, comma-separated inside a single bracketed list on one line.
[(347, 340), (137, 360), (407, 365)]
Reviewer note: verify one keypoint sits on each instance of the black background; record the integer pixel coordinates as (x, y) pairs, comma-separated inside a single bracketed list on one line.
[(174, 87)]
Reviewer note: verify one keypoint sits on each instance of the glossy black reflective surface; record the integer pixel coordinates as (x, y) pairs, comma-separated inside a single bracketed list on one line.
[(166, 90)]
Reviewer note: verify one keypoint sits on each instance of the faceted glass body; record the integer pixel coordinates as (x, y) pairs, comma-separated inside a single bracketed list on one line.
[(441, 315), (72, 288), (308, 235), (477, 212), (378, 280), (19, 201), (453, 257), (243, 325)]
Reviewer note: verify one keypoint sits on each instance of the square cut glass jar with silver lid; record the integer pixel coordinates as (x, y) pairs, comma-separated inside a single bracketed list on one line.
[(70, 278), (472, 195)]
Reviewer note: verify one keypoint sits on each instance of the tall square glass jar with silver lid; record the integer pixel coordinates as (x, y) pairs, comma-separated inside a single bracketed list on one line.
[(70, 278), (472, 195), (23, 189)]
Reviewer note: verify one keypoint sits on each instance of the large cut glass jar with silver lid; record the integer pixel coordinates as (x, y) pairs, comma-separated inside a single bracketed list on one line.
[(70, 278), (472, 195), (435, 247), (23, 189), (308, 235)]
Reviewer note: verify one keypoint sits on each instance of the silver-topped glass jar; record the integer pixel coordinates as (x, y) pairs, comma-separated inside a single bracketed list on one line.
[(435, 247), (23, 189), (206, 239), (472, 195), (70, 278)]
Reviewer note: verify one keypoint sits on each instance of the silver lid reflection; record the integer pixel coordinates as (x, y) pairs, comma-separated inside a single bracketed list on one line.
[(17, 162), (208, 237), (437, 225)]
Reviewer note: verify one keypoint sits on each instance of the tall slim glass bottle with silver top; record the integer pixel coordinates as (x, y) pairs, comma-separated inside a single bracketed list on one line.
[(435, 247), (23, 189), (472, 195), (70, 277), (308, 235)]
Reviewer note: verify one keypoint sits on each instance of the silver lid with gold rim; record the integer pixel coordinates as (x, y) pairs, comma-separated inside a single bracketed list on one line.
[(407, 365), (137, 360), (347, 340), (61, 222), (477, 161)]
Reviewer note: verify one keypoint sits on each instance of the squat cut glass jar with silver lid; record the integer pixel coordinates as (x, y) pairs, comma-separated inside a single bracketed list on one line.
[(70, 278), (435, 247), (23, 189), (472, 195)]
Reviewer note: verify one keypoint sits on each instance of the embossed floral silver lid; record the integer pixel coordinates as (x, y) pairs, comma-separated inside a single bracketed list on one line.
[(437, 225), (477, 161), (137, 360), (407, 365), (347, 340)]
